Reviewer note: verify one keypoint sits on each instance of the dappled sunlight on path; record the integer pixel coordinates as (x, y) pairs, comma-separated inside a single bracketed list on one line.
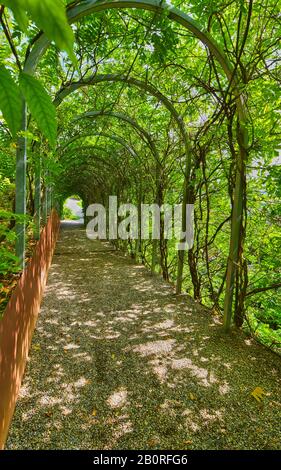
[(118, 362)]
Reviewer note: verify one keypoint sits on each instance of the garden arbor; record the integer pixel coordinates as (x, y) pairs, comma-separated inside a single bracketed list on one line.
[(152, 91), (91, 6), (123, 117)]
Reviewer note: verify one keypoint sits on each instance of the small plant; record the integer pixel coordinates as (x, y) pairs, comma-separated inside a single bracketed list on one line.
[(68, 214), (8, 260)]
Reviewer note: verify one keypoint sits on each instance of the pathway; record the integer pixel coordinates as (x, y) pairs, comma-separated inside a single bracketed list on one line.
[(119, 362)]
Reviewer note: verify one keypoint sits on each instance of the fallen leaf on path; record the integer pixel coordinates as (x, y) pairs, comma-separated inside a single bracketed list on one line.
[(153, 442), (258, 393)]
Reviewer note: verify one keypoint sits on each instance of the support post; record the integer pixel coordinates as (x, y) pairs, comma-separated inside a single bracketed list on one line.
[(37, 217), (20, 207), (45, 204), (183, 229), (49, 200), (186, 199), (236, 225)]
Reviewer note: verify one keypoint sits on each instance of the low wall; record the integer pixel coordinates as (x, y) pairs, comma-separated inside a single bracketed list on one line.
[(18, 322)]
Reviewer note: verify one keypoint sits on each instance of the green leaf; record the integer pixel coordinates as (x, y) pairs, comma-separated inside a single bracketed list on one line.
[(40, 106), (18, 11), (10, 100), (50, 16)]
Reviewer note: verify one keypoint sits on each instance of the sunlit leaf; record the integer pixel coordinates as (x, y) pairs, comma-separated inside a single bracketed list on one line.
[(18, 9), (40, 106), (10, 100), (50, 16)]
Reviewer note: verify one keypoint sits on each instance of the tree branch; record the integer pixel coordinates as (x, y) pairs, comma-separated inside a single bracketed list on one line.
[(263, 289), (8, 37)]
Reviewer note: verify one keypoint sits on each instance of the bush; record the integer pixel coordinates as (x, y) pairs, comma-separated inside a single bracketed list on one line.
[(68, 214)]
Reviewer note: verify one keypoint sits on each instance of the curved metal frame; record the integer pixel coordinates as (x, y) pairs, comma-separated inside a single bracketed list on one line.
[(129, 120), (114, 137), (147, 87), (69, 155), (91, 6)]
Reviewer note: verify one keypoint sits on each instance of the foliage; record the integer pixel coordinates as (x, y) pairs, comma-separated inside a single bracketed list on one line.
[(84, 160), (8, 261), (68, 214), (40, 105), (49, 16), (10, 100)]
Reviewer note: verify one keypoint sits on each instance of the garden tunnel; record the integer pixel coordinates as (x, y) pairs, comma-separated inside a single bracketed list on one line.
[(90, 7), (72, 210), (231, 82), (156, 105)]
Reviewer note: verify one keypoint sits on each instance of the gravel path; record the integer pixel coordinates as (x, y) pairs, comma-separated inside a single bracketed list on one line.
[(119, 362)]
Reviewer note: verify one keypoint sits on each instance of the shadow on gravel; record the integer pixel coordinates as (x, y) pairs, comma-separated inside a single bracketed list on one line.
[(119, 362)]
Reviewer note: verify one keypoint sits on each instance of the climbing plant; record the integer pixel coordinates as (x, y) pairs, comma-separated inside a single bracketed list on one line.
[(153, 105)]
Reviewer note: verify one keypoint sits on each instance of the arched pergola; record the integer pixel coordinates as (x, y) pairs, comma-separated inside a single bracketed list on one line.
[(123, 117), (75, 12), (153, 91), (113, 137)]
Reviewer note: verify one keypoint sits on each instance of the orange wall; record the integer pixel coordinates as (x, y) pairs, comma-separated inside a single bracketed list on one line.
[(18, 322)]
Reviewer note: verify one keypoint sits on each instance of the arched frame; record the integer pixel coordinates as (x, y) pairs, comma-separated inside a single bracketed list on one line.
[(114, 137), (88, 7), (92, 115)]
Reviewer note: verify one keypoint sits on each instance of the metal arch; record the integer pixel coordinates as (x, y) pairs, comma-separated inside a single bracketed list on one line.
[(93, 163), (123, 117), (115, 77), (98, 159), (91, 6), (83, 178), (88, 7), (89, 161), (84, 173), (147, 87), (70, 155), (76, 12), (114, 137)]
